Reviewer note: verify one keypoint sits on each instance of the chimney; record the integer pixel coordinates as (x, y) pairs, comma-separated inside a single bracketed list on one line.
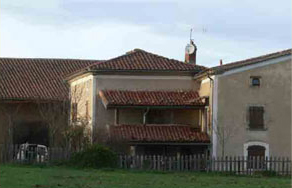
[(191, 53), (221, 62)]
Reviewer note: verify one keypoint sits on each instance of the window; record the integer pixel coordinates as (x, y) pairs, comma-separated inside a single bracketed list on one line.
[(74, 112), (256, 117), (255, 81)]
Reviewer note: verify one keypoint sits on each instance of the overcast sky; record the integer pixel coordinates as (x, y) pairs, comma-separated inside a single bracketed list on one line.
[(94, 29)]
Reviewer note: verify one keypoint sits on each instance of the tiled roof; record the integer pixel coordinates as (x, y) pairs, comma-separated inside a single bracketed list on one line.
[(30, 79), (140, 60), (112, 98), (246, 62), (158, 133)]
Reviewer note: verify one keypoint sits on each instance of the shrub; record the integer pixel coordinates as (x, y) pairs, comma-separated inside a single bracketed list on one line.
[(266, 173), (95, 156)]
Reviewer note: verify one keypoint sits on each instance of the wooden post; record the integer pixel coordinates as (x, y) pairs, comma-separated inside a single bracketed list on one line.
[(142, 162), (272, 165), (120, 161), (178, 160), (226, 163)]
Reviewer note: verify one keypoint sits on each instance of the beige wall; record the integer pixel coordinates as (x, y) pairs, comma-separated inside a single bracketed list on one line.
[(81, 93), (235, 95), (124, 82), (205, 90)]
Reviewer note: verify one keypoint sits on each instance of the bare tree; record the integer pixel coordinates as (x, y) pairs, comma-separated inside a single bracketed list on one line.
[(55, 115), (230, 128), (224, 132)]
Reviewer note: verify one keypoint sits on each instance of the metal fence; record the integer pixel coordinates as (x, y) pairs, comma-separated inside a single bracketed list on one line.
[(237, 165)]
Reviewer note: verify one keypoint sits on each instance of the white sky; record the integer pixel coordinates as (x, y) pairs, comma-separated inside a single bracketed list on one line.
[(94, 29)]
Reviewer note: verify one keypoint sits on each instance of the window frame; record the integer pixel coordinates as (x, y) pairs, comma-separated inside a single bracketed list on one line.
[(259, 81), (255, 143), (262, 124)]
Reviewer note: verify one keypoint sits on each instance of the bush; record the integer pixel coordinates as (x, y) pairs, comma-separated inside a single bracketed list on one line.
[(95, 156), (266, 173)]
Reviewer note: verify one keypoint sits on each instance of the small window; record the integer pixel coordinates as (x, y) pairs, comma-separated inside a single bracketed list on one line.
[(255, 81), (256, 117)]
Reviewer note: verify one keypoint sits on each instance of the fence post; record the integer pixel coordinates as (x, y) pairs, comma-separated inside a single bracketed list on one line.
[(270, 163)]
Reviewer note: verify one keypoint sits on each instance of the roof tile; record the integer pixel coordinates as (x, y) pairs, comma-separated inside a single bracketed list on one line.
[(30, 79), (246, 62), (140, 60), (112, 98), (159, 133)]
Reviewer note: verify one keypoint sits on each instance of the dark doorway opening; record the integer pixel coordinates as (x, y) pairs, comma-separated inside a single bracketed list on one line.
[(31, 132)]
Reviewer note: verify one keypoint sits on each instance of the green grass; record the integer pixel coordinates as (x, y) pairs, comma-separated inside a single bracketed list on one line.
[(14, 176)]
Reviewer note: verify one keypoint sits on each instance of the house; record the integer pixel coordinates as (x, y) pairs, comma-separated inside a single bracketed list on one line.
[(251, 101), (32, 92), (148, 100), (151, 104), (163, 106)]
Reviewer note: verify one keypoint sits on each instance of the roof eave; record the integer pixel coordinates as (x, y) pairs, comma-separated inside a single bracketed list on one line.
[(109, 71), (169, 142)]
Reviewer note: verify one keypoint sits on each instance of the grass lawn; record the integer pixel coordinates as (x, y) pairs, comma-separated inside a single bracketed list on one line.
[(13, 176)]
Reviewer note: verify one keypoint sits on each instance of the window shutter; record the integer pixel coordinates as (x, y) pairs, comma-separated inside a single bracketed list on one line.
[(256, 117), (251, 118), (74, 112), (260, 117)]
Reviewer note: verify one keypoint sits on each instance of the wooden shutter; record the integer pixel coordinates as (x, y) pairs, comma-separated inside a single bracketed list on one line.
[(256, 117), (74, 111)]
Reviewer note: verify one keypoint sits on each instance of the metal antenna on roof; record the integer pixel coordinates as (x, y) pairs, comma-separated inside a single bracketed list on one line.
[(203, 30), (191, 32)]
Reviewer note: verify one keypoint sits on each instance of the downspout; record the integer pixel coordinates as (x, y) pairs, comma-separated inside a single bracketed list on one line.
[(145, 115), (212, 80)]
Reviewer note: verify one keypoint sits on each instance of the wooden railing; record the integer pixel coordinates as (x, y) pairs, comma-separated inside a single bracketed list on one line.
[(237, 165)]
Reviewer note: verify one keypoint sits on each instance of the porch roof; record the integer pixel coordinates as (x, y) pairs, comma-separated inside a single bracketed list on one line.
[(126, 98), (165, 133)]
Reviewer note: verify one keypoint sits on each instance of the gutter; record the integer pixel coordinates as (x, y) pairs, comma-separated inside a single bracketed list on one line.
[(170, 143)]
